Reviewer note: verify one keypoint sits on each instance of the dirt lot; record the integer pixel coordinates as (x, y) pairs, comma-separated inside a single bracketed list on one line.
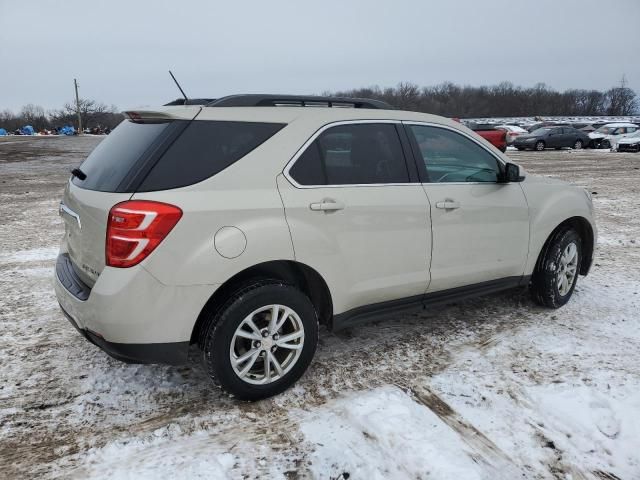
[(489, 388)]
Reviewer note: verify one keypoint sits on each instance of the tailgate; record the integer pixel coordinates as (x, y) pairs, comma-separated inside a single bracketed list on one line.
[(85, 214), (107, 178)]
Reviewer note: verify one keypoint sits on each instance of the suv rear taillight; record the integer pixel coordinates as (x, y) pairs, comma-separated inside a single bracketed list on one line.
[(135, 228)]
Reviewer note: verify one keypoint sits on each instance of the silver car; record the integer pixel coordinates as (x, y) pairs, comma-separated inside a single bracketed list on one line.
[(236, 227)]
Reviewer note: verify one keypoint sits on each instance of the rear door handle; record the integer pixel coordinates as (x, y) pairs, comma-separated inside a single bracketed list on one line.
[(326, 205), (448, 204)]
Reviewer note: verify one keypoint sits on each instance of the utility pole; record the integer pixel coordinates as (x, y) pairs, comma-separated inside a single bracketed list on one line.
[(75, 83)]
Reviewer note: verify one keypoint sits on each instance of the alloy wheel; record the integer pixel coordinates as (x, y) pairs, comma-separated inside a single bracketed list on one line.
[(567, 269), (267, 344)]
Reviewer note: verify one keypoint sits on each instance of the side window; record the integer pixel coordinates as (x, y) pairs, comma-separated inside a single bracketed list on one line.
[(451, 157), (205, 148), (309, 168), (353, 154)]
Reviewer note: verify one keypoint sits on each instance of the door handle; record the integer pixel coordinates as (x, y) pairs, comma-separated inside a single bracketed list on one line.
[(326, 205), (448, 204)]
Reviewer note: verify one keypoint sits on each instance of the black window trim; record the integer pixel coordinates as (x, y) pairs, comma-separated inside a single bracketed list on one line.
[(132, 182), (311, 140), (418, 156)]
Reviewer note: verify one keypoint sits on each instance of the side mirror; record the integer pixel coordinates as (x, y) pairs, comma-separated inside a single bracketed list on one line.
[(511, 173)]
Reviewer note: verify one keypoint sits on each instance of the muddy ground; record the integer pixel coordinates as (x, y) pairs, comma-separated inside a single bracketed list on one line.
[(68, 410)]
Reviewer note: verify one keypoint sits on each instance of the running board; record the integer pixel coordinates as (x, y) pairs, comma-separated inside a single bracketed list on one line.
[(379, 311)]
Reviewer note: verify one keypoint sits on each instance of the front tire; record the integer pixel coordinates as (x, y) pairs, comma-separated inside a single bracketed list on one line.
[(261, 341), (556, 273), (540, 145), (577, 145)]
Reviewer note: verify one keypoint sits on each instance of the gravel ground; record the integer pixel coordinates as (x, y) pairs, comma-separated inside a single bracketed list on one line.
[(494, 387)]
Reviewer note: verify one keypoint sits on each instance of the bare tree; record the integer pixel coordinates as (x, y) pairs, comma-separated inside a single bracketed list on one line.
[(621, 100), (93, 114), (34, 115)]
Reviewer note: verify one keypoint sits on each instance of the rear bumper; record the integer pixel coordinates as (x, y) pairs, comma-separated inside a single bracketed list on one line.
[(165, 353), (129, 314)]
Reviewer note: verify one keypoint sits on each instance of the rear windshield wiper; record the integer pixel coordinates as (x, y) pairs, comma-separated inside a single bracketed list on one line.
[(76, 172)]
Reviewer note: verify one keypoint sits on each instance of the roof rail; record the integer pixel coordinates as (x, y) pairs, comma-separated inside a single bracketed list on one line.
[(190, 101), (258, 100)]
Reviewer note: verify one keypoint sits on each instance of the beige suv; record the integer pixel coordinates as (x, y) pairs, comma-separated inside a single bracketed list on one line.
[(240, 225)]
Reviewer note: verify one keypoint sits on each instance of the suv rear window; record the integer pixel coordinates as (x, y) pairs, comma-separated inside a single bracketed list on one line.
[(111, 161), (203, 148)]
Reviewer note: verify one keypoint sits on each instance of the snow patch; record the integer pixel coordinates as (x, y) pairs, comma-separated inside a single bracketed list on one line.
[(383, 433), (33, 255), (186, 457)]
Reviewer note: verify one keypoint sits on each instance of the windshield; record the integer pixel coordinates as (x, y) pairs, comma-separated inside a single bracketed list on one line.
[(541, 131), (634, 134), (606, 130)]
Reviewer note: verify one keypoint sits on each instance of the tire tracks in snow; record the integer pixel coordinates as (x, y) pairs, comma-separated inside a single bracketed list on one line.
[(485, 452)]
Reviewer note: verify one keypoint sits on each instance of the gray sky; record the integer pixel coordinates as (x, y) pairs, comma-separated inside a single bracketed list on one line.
[(120, 51)]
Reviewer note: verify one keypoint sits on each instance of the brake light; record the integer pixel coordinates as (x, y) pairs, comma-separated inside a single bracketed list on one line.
[(135, 228)]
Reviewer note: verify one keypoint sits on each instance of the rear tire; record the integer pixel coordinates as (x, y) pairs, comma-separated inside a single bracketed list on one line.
[(539, 145), (277, 363), (556, 273)]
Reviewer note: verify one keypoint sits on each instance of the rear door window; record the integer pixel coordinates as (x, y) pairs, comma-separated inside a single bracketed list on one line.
[(204, 149), (354, 154), (112, 160)]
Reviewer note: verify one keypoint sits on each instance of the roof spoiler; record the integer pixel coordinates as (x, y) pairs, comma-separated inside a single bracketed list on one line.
[(158, 116)]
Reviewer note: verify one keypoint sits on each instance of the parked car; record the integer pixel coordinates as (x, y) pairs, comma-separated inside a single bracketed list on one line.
[(512, 132), (552, 137), (536, 126), (629, 143), (493, 135), (238, 226), (609, 134)]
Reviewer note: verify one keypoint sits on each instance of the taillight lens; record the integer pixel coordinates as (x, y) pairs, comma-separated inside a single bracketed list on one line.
[(135, 228)]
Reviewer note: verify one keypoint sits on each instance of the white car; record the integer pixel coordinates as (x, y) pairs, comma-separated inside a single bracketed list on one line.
[(607, 136), (238, 226), (629, 143), (513, 132)]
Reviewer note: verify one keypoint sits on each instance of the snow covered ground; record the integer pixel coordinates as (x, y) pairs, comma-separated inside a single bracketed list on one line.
[(490, 388)]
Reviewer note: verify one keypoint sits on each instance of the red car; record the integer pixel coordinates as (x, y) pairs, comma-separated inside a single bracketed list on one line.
[(496, 137)]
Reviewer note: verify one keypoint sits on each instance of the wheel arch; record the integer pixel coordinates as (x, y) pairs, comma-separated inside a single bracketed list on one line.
[(585, 230), (287, 271)]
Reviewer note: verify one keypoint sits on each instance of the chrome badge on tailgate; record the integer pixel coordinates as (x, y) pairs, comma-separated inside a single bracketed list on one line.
[(64, 210)]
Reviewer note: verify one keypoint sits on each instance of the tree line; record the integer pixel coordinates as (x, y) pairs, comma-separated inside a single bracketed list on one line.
[(502, 100), (446, 99), (93, 114)]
